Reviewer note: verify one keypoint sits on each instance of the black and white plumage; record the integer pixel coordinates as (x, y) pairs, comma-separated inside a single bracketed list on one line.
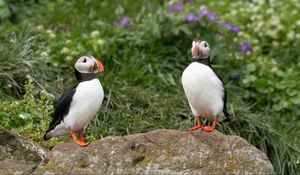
[(78, 105), (203, 88)]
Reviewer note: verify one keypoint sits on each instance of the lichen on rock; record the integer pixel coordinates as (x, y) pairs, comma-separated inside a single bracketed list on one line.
[(159, 152), (19, 155)]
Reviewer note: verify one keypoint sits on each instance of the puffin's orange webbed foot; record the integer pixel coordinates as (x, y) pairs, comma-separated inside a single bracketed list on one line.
[(198, 126), (79, 141), (193, 128), (210, 128)]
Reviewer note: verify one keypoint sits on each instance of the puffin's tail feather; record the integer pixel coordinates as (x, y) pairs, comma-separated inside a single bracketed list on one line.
[(46, 136), (226, 116)]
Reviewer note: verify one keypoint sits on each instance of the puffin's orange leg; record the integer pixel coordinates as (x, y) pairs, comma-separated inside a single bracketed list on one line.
[(79, 142), (81, 138), (198, 126), (210, 128)]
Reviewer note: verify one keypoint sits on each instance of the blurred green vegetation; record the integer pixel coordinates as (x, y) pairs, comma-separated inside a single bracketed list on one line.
[(145, 46)]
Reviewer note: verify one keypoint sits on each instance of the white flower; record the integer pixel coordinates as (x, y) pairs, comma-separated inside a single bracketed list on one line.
[(68, 58), (255, 41), (280, 27), (270, 11), (256, 48), (255, 9), (65, 50), (95, 33), (29, 78), (275, 43), (50, 33), (233, 12), (241, 34), (13, 40), (203, 7), (291, 35), (22, 116), (100, 42), (40, 27), (68, 41), (273, 34), (44, 92), (261, 2), (275, 21), (172, 1), (44, 54), (274, 69), (258, 26), (259, 17)]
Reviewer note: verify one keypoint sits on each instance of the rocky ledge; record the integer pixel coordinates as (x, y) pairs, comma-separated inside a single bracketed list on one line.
[(159, 152), (19, 155)]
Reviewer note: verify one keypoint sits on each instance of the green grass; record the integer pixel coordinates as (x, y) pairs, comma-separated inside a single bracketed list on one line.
[(143, 65)]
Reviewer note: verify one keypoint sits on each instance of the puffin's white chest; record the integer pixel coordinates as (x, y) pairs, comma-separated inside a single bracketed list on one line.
[(85, 104), (204, 90)]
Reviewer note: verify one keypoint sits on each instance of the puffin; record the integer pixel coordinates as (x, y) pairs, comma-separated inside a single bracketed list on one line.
[(203, 88), (78, 105)]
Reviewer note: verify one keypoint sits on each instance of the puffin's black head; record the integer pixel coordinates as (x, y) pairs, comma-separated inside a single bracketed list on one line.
[(86, 67), (200, 49)]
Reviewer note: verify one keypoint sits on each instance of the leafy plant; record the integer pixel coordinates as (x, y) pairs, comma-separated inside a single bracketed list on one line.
[(30, 115)]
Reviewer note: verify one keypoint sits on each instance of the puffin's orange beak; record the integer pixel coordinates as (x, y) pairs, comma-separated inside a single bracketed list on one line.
[(100, 66)]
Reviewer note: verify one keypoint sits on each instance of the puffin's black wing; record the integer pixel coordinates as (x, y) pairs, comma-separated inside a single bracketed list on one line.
[(61, 109), (225, 95), (224, 107)]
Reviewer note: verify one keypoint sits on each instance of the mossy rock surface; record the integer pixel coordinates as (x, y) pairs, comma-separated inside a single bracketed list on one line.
[(18, 154), (159, 152)]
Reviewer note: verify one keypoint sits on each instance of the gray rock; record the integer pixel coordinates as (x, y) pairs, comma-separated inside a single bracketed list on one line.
[(19, 155), (159, 152), (11, 166)]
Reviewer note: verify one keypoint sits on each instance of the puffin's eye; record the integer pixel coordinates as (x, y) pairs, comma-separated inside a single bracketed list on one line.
[(84, 60)]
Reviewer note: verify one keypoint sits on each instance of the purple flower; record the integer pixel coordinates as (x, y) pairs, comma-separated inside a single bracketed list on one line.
[(231, 27), (190, 17), (203, 11), (125, 21), (244, 47), (175, 6), (212, 16)]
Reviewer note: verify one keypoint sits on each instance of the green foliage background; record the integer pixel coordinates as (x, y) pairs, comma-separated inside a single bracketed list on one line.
[(40, 41)]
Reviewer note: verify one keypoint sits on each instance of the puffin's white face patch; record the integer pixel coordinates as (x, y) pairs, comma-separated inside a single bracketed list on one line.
[(85, 64), (200, 49)]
